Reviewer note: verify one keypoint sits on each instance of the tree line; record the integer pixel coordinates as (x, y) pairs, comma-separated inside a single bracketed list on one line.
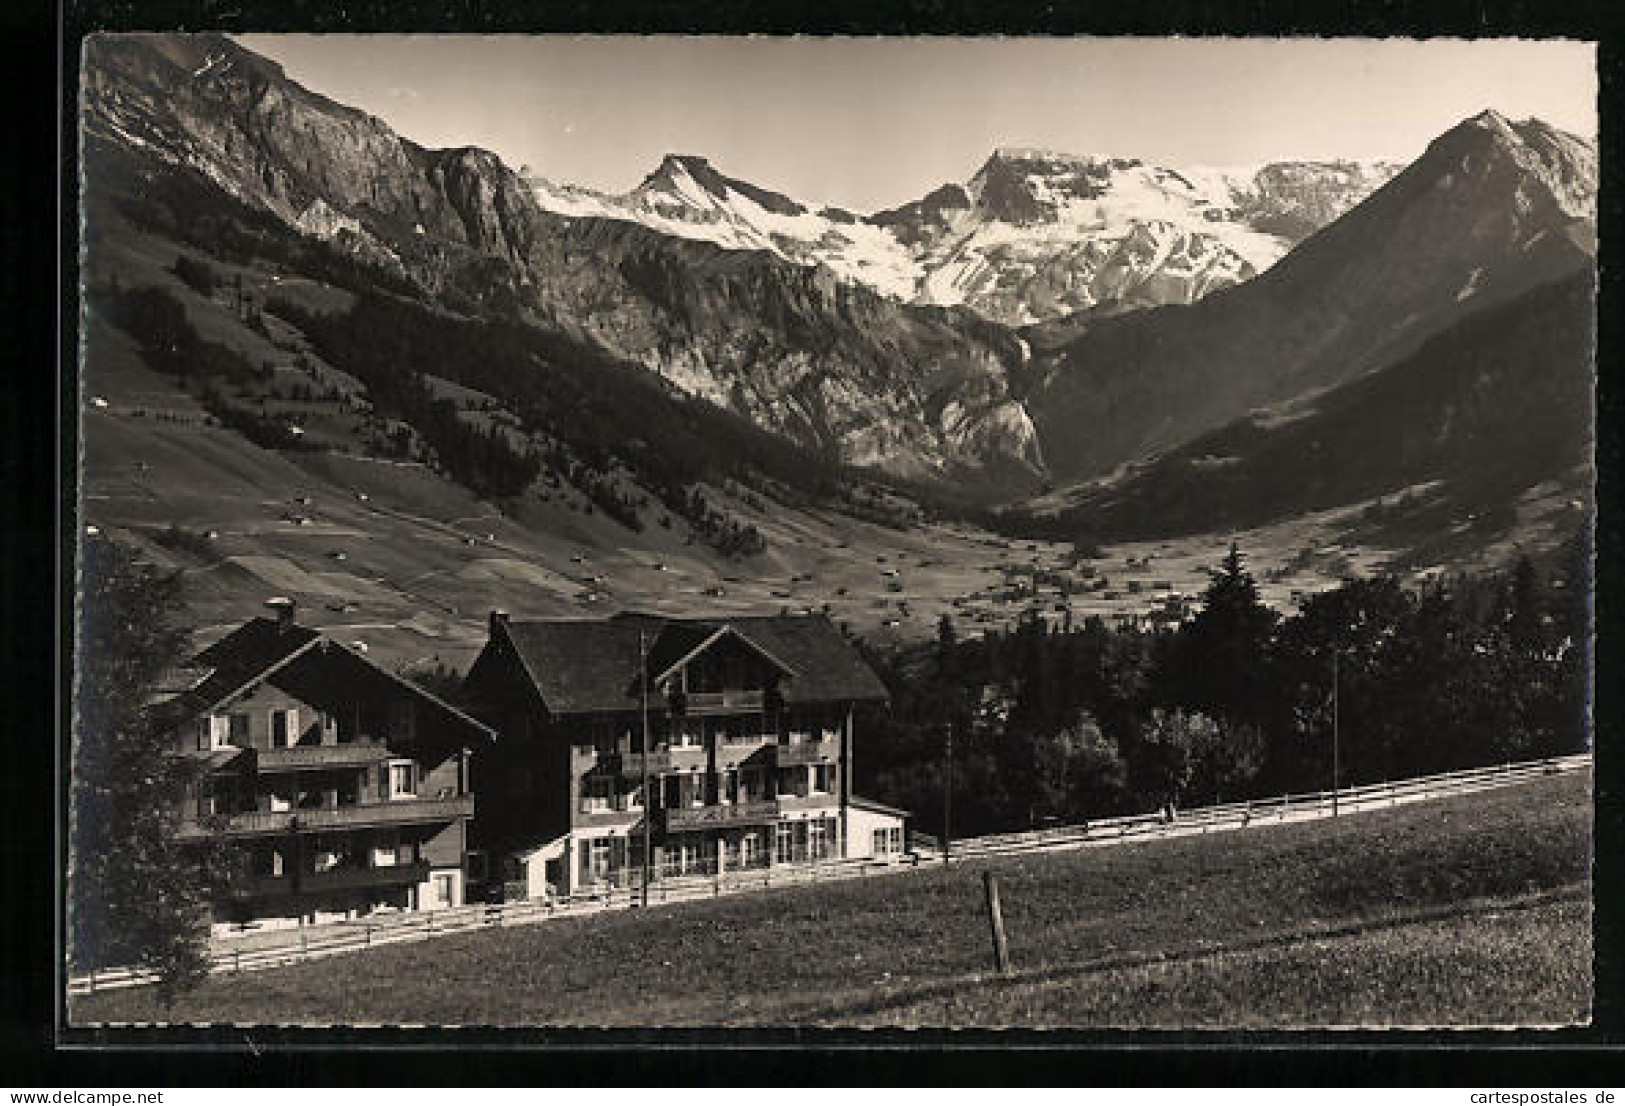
[(1063, 724), (599, 417)]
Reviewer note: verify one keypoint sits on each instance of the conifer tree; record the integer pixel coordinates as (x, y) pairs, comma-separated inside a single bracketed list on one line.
[(136, 896)]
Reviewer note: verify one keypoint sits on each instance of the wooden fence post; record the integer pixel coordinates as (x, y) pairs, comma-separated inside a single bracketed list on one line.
[(1001, 950)]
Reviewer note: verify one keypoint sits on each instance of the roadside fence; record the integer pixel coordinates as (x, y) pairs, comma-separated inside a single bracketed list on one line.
[(273, 948)]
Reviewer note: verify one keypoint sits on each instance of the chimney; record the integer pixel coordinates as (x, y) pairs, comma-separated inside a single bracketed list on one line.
[(284, 609), (498, 618)]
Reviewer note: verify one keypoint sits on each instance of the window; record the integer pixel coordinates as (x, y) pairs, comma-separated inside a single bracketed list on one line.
[(823, 778), (402, 779), (784, 840), (888, 840), (239, 730), (445, 890), (749, 850), (284, 727), (816, 839), (477, 866), (600, 857), (688, 857), (219, 731), (793, 780), (385, 848)]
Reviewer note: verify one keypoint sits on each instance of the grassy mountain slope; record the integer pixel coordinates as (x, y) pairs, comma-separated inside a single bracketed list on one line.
[(1482, 412)]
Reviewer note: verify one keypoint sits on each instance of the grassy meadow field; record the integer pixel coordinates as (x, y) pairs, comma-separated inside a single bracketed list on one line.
[(1466, 911)]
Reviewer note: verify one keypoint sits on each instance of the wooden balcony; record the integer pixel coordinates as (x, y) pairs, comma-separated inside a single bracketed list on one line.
[(300, 758), (710, 702), (335, 879), (719, 816), (687, 758), (822, 751), (354, 816), (630, 765)]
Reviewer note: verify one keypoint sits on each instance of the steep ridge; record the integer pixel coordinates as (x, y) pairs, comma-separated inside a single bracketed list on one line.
[(840, 368), (1491, 210), (1481, 412)]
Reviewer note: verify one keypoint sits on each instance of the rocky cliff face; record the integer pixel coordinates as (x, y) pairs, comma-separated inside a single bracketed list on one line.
[(830, 363), (1490, 210)]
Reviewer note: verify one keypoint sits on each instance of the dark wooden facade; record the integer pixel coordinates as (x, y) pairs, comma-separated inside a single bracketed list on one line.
[(749, 745), (347, 789)]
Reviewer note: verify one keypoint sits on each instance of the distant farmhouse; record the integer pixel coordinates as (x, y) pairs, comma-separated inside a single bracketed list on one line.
[(348, 786), (749, 748)]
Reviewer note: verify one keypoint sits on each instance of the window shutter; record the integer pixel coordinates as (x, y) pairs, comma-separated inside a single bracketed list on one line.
[(293, 726), (383, 781), (203, 735)]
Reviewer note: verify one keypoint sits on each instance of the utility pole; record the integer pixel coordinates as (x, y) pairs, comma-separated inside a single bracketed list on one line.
[(648, 804), (948, 797), (1335, 735)]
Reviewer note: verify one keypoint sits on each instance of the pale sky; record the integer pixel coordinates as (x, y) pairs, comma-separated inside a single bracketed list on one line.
[(871, 123)]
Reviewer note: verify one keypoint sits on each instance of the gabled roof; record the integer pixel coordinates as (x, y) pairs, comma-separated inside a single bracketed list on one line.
[(878, 807), (581, 666), (260, 648), (206, 761), (251, 652), (681, 642)]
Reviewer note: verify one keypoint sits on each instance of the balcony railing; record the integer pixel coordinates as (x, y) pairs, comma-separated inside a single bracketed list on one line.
[(334, 879), (630, 765), (754, 813), (696, 701), (357, 816), (303, 757), (824, 750)]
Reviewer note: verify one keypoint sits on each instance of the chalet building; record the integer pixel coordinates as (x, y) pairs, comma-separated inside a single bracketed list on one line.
[(346, 787), (749, 748)]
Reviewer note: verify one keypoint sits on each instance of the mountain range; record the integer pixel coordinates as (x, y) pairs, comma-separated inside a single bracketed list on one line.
[(1081, 325), (1031, 236)]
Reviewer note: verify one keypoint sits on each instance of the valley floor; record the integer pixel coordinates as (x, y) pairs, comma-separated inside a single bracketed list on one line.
[(1466, 911)]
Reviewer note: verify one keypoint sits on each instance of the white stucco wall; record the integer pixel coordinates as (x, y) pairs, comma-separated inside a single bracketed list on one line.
[(861, 826)]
